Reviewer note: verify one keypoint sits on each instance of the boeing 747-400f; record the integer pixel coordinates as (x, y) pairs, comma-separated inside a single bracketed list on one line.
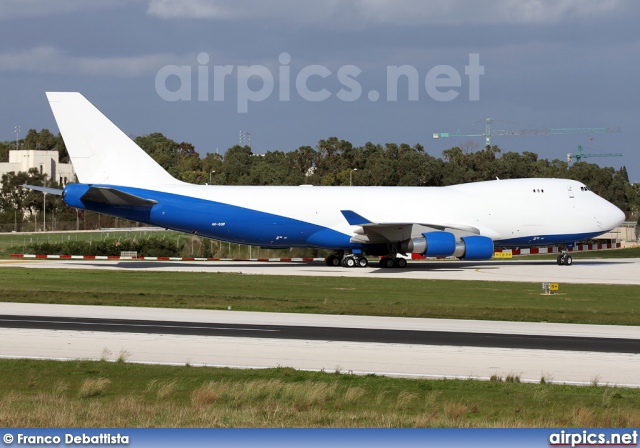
[(118, 178)]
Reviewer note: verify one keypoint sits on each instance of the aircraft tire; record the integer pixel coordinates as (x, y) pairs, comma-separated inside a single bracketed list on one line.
[(349, 262), (386, 262), (363, 262), (568, 261), (400, 263), (560, 260), (332, 260)]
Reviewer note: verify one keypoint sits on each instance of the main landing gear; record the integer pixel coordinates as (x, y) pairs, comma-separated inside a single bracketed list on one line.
[(392, 262), (348, 261), (335, 259), (359, 261), (354, 260)]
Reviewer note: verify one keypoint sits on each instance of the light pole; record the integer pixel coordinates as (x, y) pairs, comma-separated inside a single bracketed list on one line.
[(350, 176), (212, 172), (17, 130), (44, 211)]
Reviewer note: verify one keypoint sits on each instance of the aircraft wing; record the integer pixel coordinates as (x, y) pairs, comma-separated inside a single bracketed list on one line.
[(390, 232)]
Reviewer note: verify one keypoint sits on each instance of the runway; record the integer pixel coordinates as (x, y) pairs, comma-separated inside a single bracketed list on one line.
[(335, 334), (592, 271), (432, 358)]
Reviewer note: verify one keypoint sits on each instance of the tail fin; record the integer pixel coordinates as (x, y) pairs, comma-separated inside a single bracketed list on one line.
[(100, 152)]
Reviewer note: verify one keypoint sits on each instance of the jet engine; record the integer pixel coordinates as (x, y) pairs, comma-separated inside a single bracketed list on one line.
[(444, 244)]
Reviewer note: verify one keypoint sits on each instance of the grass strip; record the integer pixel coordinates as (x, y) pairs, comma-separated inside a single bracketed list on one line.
[(585, 304), (118, 394)]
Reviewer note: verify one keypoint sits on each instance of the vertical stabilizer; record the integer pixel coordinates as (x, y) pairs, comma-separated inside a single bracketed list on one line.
[(100, 152)]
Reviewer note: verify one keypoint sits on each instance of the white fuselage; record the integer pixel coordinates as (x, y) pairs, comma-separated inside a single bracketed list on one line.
[(527, 211)]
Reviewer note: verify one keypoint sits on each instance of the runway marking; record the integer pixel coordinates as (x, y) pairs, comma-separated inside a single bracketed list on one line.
[(130, 324)]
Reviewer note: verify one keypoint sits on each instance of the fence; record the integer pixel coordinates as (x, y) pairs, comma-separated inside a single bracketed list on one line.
[(191, 245)]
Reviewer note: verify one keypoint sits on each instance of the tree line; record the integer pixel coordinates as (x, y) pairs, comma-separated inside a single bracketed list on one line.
[(332, 162), (335, 162)]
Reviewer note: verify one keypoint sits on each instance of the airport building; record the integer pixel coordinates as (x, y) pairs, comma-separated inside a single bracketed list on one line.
[(626, 233), (46, 162)]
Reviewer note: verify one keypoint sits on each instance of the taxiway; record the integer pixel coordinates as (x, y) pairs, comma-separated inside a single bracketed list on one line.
[(604, 271)]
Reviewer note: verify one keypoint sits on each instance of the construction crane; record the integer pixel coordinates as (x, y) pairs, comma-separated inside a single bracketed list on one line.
[(579, 155), (245, 138), (542, 131)]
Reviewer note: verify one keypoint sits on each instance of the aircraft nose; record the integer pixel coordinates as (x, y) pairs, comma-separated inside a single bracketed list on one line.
[(611, 216)]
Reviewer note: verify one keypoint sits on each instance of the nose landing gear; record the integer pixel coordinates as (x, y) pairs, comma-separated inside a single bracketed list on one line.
[(564, 259)]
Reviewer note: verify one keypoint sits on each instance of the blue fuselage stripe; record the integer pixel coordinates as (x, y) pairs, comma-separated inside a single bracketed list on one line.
[(221, 221), (545, 240)]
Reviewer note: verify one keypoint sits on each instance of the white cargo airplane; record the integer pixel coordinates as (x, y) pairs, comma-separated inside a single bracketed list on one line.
[(118, 178)]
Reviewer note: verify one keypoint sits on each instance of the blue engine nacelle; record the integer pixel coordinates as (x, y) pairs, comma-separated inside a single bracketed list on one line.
[(444, 244), (476, 247), (431, 244)]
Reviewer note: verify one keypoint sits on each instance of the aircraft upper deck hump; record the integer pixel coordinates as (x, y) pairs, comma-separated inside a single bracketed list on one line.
[(100, 152)]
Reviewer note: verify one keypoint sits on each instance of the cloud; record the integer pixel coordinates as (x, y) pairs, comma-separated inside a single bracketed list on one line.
[(18, 9), (244, 9), (46, 59), (359, 12)]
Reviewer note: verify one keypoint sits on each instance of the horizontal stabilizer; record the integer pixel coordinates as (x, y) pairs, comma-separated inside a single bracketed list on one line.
[(353, 218), (55, 191), (111, 196)]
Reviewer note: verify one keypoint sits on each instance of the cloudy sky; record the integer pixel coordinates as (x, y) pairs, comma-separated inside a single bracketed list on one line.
[(293, 72)]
